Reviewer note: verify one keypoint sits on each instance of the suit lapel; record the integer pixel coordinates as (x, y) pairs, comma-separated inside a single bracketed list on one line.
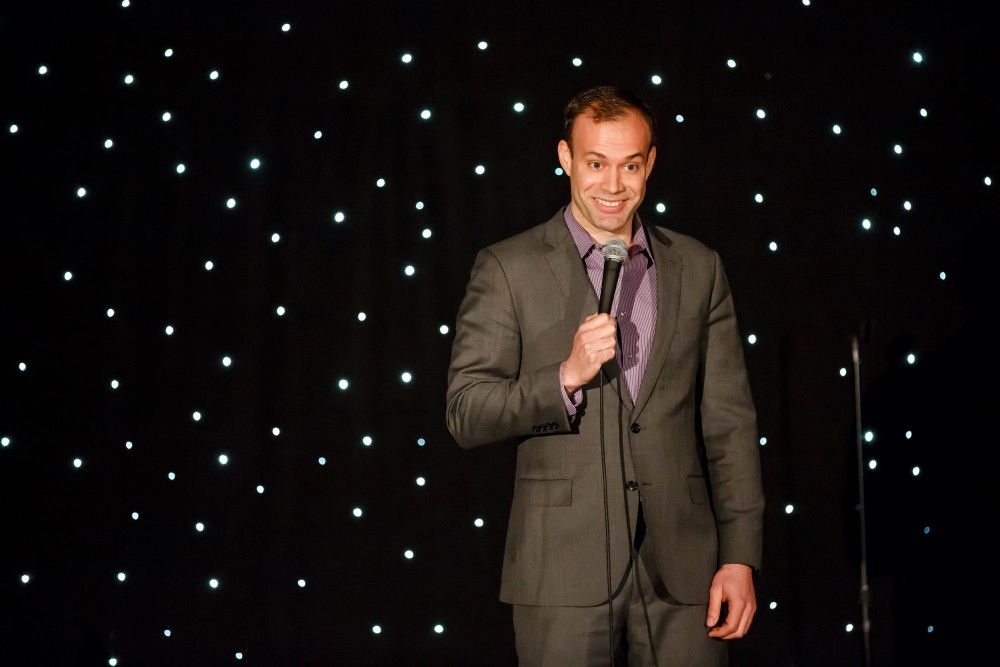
[(668, 299), (571, 276)]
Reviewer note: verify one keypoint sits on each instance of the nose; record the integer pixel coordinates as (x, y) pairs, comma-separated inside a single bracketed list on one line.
[(613, 182)]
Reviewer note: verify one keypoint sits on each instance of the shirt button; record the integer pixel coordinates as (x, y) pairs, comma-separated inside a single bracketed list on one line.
[(635, 428)]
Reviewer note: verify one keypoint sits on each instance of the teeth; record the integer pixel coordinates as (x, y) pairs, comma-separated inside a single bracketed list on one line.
[(605, 202)]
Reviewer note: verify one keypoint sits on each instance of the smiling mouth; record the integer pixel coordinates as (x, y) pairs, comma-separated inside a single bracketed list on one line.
[(609, 203)]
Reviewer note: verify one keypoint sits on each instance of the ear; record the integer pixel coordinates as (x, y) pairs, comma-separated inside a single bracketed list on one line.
[(565, 156), (649, 161)]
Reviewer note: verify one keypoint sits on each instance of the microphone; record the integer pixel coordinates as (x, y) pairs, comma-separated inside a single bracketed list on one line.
[(615, 251)]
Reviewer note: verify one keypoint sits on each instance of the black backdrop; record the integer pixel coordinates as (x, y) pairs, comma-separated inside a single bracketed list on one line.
[(302, 580)]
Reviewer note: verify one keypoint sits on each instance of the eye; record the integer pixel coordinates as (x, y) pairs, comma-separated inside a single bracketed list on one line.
[(595, 165), (632, 168)]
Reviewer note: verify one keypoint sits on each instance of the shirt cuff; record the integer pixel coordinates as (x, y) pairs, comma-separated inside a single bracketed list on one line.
[(569, 401)]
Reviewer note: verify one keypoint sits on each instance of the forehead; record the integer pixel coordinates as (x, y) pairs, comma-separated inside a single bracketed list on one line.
[(627, 134)]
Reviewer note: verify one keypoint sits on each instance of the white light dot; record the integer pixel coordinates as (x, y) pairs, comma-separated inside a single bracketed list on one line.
[(376, 629), (22, 366), (302, 583), (439, 628), (227, 362), (318, 134), (773, 246), (230, 203), (171, 476), (168, 53), (915, 471), (789, 508), (923, 113), (77, 463), (762, 441), (280, 311), (425, 114), (772, 606), (443, 329), (478, 523), (343, 383), (367, 441), (338, 216), (731, 64), (482, 46), (214, 583), (5, 441), (661, 207), (81, 192), (918, 57), (836, 129), (121, 576), (13, 129), (196, 416), (869, 436), (68, 276), (426, 233), (114, 384), (166, 116), (911, 358), (285, 27), (362, 316), (322, 460), (223, 459), (988, 181), (656, 79), (275, 237), (126, 3), (419, 205), (849, 627), (129, 79), (559, 171), (135, 516), (872, 464), (759, 198), (255, 163), (344, 84), (111, 312), (577, 62), (209, 265), (128, 444), (760, 113), (421, 481), (406, 376), (181, 168), (942, 275), (421, 442), (409, 270), (380, 183), (866, 224), (896, 231), (275, 431), (25, 578), (260, 488), (213, 75), (907, 206), (200, 527), (407, 58), (108, 143), (518, 107), (897, 149), (239, 655), (408, 554), (752, 338), (679, 118), (357, 512), (480, 169)]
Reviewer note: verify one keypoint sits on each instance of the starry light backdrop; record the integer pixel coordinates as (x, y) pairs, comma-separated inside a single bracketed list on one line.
[(234, 241)]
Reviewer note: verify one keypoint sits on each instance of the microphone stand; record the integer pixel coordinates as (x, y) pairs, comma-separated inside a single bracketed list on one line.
[(865, 593)]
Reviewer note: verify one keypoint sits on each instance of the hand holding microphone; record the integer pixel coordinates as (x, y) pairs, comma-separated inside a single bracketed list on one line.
[(595, 340)]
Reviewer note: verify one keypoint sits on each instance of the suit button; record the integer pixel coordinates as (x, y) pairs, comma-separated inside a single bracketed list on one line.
[(632, 485), (636, 428), (535, 429)]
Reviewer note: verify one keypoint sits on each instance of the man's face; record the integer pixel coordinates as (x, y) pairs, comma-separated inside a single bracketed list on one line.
[(608, 168)]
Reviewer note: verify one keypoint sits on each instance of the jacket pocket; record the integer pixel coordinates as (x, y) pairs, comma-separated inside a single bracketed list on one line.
[(549, 492)]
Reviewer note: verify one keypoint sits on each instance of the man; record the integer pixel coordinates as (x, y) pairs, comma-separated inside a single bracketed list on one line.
[(636, 523)]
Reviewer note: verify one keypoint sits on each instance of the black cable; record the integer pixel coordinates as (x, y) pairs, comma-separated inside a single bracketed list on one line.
[(607, 522)]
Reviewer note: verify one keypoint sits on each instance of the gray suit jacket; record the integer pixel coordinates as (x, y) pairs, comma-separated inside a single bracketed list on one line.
[(689, 439)]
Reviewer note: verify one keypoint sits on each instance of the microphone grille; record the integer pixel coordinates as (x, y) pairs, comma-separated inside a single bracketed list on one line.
[(615, 250)]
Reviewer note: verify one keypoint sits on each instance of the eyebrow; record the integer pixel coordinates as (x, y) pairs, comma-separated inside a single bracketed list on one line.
[(605, 157)]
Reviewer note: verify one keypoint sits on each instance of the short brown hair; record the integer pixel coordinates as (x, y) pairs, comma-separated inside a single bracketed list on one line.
[(606, 103)]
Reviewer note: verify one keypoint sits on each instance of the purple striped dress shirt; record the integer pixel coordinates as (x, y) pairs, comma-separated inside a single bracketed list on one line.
[(634, 305)]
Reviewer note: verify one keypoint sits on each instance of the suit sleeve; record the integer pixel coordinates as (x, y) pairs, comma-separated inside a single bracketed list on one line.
[(729, 429), (491, 397)]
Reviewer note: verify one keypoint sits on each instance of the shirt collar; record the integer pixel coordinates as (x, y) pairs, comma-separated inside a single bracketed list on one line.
[(585, 243)]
